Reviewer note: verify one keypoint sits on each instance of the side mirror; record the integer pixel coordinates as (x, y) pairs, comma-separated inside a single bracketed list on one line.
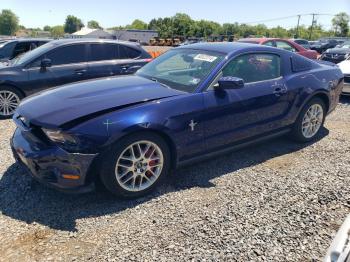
[(45, 63), (230, 82)]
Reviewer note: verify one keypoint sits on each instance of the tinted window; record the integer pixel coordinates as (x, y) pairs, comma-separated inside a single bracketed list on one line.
[(6, 49), (285, 46), (126, 52), (254, 67), (22, 47), (300, 63), (100, 52), (67, 55)]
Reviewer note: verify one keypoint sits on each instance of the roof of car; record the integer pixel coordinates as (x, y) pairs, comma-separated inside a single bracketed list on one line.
[(260, 39), (222, 47), (28, 39), (90, 40)]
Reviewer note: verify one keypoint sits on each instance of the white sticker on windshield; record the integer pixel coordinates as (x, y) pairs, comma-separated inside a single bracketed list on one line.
[(204, 57)]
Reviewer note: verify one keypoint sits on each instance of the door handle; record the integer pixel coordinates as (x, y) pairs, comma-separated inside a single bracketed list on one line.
[(80, 72), (124, 67), (280, 90)]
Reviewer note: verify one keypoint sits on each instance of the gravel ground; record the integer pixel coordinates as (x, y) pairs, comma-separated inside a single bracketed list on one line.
[(276, 201)]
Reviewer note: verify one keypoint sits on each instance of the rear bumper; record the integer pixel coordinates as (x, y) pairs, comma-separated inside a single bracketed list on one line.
[(50, 164)]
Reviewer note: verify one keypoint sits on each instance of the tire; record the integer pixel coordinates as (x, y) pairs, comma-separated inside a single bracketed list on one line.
[(302, 135), (10, 96), (131, 179)]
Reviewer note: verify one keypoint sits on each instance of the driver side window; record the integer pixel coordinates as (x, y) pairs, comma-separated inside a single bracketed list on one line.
[(254, 67)]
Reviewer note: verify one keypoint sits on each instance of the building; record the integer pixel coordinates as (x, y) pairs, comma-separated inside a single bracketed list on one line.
[(134, 35), (86, 32)]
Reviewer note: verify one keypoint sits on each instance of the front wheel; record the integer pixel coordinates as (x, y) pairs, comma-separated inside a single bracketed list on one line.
[(310, 121), (9, 101), (135, 165)]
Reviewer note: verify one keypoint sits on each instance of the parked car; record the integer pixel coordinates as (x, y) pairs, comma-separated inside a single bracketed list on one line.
[(190, 103), (282, 44), (64, 61), (345, 68), (339, 251), (304, 43), (9, 49), (337, 54), (323, 44)]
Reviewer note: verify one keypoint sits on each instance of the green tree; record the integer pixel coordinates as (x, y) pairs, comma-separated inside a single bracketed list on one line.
[(94, 25), (72, 24), (47, 28), (163, 25), (138, 24), (8, 22), (204, 28), (181, 24), (57, 31), (341, 24)]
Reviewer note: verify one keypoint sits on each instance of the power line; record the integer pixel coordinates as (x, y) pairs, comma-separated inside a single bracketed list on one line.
[(285, 17)]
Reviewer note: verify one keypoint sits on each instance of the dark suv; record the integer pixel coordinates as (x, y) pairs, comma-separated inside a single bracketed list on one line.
[(64, 61), (12, 48)]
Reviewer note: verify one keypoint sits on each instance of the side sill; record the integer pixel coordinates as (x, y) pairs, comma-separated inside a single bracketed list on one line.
[(231, 148)]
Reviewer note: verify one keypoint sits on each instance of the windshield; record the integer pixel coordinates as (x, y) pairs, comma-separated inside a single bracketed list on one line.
[(181, 69), (29, 56)]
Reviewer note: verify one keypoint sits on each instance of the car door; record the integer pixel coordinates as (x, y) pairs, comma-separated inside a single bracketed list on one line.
[(103, 60), (68, 64), (259, 107)]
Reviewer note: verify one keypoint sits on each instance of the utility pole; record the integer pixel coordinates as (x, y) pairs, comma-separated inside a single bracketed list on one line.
[(312, 26), (297, 33)]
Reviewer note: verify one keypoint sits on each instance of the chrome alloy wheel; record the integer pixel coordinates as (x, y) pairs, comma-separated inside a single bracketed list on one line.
[(312, 120), (139, 166), (9, 101)]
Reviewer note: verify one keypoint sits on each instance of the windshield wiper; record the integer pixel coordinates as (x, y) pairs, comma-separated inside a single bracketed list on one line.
[(157, 81)]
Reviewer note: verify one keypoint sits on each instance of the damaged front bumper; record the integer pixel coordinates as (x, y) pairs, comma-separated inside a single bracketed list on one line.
[(51, 165)]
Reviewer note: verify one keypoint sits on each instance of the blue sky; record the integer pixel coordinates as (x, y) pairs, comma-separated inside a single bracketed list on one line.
[(37, 13)]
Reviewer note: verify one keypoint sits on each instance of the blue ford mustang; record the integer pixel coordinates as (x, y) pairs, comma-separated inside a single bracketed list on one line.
[(190, 103)]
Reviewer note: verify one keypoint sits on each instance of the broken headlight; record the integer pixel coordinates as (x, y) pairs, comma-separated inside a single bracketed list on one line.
[(60, 137)]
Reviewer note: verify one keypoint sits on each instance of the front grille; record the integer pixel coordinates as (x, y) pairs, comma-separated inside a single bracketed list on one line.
[(347, 79)]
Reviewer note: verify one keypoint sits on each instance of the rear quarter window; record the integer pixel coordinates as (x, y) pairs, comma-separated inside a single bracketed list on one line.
[(126, 52), (299, 63)]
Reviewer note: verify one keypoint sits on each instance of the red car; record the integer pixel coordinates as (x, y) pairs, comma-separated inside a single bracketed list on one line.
[(283, 44)]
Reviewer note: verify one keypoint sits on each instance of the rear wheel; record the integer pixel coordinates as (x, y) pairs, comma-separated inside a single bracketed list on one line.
[(9, 101), (310, 121), (136, 165)]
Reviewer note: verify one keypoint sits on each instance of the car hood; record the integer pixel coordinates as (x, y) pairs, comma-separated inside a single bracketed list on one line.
[(338, 51), (61, 105)]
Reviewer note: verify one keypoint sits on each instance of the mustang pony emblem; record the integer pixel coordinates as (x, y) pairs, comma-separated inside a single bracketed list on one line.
[(192, 124)]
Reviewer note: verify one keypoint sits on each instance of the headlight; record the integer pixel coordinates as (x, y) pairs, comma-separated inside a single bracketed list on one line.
[(347, 56), (58, 136), (327, 51)]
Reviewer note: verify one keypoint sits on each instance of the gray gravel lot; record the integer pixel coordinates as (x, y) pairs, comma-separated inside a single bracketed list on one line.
[(276, 201)]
